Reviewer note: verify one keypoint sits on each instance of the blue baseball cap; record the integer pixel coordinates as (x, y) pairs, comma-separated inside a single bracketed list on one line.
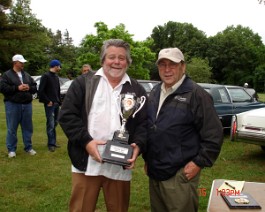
[(54, 63)]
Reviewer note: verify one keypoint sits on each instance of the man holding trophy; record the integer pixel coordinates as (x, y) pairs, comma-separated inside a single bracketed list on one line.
[(104, 118)]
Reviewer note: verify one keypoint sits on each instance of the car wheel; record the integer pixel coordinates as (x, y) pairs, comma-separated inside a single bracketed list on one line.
[(263, 148)]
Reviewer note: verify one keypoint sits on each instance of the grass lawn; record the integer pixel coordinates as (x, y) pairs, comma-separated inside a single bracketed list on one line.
[(43, 182)]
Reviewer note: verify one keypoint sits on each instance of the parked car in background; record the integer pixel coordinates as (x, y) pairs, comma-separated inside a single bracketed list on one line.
[(252, 92), (64, 88), (62, 80), (249, 127), (37, 78), (148, 85), (230, 100)]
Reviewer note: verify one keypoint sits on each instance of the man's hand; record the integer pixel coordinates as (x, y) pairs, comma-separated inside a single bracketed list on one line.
[(92, 149), (50, 104), (136, 151), (23, 87), (191, 170)]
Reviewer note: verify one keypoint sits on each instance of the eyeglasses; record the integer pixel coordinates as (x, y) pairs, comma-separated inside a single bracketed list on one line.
[(171, 65)]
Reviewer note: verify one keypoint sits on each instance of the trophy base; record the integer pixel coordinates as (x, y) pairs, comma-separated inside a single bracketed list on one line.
[(117, 153)]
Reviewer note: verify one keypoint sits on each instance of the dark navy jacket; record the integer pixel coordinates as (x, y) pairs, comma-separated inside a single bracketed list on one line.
[(187, 128)]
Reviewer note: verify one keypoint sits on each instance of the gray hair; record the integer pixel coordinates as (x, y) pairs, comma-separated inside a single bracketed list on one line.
[(86, 65), (116, 43)]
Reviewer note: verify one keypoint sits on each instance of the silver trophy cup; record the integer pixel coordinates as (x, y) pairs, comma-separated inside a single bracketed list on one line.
[(117, 150)]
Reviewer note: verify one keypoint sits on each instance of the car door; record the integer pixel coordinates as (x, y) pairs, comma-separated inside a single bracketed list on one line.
[(223, 105)]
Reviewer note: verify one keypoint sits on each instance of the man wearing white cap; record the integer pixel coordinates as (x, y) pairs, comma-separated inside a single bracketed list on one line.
[(18, 87), (185, 135)]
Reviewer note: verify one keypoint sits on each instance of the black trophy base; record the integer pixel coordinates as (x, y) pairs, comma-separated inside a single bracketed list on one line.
[(117, 152)]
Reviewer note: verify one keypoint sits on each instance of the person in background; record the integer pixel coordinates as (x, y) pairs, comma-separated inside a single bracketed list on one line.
[(184, 136), (251, 91), (18, 86), (86, 68), (49, 95), (88, 125)]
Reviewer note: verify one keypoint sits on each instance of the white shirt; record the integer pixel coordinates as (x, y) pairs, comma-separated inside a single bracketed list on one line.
[(103, 121), (166, 92), (20, 76)]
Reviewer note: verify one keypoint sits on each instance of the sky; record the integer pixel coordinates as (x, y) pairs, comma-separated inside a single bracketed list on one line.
[(140, 17)]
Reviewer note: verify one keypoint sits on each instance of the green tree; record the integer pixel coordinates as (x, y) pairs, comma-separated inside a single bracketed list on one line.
[(234, 55), (62, 48), (198, 69), (140, 51), (191, 41), (4, 35), (23, 34), (186, 37), (259, 78)]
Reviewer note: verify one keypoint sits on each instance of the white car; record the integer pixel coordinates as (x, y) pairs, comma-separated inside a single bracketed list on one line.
[(37, 80), (148, 85), (249, 127), (64, 88)]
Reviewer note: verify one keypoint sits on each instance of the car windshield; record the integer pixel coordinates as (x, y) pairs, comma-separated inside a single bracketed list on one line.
[(239, 95)]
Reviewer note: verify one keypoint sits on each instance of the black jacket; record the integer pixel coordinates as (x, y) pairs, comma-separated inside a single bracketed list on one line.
[(9, 87), (187, 128), (49, 88), (75, 109)]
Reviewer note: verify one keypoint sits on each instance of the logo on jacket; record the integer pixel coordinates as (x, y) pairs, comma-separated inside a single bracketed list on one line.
[(180, 98)]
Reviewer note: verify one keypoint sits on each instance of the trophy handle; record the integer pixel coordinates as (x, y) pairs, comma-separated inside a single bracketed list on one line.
[(142, 101), (118, 106)]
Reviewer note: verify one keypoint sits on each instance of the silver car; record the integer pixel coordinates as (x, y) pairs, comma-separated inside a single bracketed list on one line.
[(148, 85), (64, 88), (37, 80)]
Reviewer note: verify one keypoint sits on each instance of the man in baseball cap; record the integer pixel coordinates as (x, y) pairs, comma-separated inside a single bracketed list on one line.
[(55, 63), (173, 54), (182, 115), (18, 86), (49, 95), (19, 57), (171, 66)]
